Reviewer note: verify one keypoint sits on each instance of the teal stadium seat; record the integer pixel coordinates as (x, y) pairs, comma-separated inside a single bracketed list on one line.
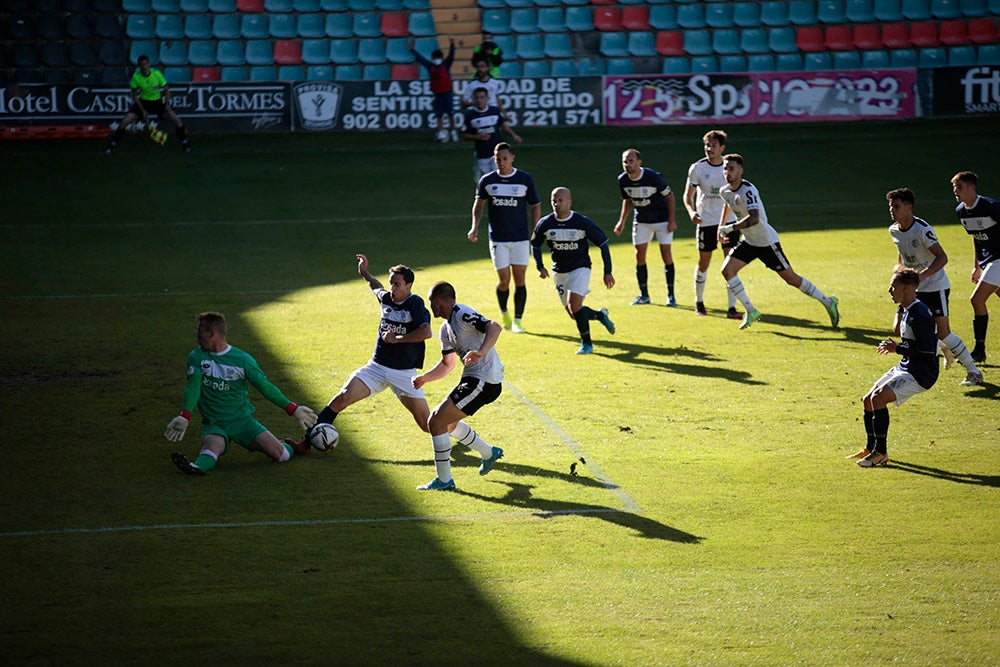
[(511, 69), (491, 4), (719, 16), (83, 54), (726, 42), (523, 20), (397, 50), (169, 26), (676, 65), (306, 6), (230, 53), (371, 51), (621, 66), (529, 47), (558, 45), (988, 54), (961, 56), (591, 66), (536, 68), (888, 10), (517, 4), (278, 6), (817, 61), (551, 19), (802, 12), (641, 44), (613, 44), (421, 24), (754, 41), (934, 56), (760, 62), (746, 14), (173, 54), (831, 12), (177, 74), (319, 73), (902, 58), (338, 26), (874, 59), (782, 40), (506, 43), (283, 26), (136, 6), (663, 17), (579, 19), (859, 11), (946, 9), (564, 68), (193, 6), (139, 26), (316, 52), (333, 6), (774, 13), (311, 26), (788, 62), (361, 5), (262, 73), (417, 5), (233, 74), (165, 6), (704, 65), (377, 72), (79, 26), (291, 73), (254, 26), (222, 7), (367, 25), (497, 21), (697, 42), (202, 52), (348, 73), (732, 63), (691, 17), (198, 26), (975, 8), (226, 26), (917, 10), (259, 52)]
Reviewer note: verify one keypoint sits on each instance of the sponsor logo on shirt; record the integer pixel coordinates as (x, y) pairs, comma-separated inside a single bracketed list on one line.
[(503, 201)]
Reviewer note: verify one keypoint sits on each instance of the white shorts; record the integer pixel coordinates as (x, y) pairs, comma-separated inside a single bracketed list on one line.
[(506, 253), (903, 385), (643, 233), (576, 281), (378, 377), (482, 166), (991, 274)]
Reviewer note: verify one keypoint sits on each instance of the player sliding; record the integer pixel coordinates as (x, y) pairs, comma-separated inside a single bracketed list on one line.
[(760, 241)]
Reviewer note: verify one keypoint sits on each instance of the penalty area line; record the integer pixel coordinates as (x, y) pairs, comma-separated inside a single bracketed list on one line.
[(577, 449)]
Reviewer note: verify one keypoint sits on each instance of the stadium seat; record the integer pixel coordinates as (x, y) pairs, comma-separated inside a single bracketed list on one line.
[(366, 25), (53, 54), (621, 66), (988, 54), (529, 47), (170, 26), (838, 38), (377, 72), (782, 40), (361, 5), (788, 62), (548, 3), (371, 51), (591, 67), (315, 51), (288, 51), (691, 17), (173, 54), (188, 7), (774, 13), (138, 26), (405, 72), (79, 26), (222, 7), (283, 26), (333, 5), (497, 21), (206, 74), (510, 69), (426, 45), (177, 74), (250, 6), (670, 43), (551, 19), (116, 76), (83, 54), (888, 10), (165, 6), (254, 26), (719, 16), (874, 59), (802, 12), (608, 18), (263, 73), (491, 4), (311, 26), (226, 26), (230, 53), (107, 26), (916, 10), (635, 17), (746, 14), (844, 60), (558, 45), (676, 65), (523, 20), (319, 73), (961, 56), (924, 34), (202, 52), (137, 48), (754, 40), (895, 35), (579, 19), (954, 33), (732, 63), (536, 68), (347, 73), (564, 68), (726, 42), (278, 6), (831, 12), (983, 31), (946, 9), (394, 24), (902, 58), (859, 11), (397, 50), (259, 52), (974, 8), (421, 24), (51, 28), (613, 45), (813, 62), (338, 26), (760, 62), (234, 74), (663, 17), (87, 76), (641, 44), (697, 42), (136, 6), (113, 53), (704, 65), (809, 39), (291, 73), (198, 26), (932, 57), (867, 36)]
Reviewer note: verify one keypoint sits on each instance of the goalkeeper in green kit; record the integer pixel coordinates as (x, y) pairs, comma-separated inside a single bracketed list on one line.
[(218, 382)]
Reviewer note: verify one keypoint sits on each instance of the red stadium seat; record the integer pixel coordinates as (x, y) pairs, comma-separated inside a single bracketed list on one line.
[(635, 17), (395, 24), (670, 43), (608, 18), (867, 36), (895, 35), (809, 39), (954, 33), (924, 34), (288, 52), (838, 38), (250, 6), (206, 74), (983, 31), (405, 72)]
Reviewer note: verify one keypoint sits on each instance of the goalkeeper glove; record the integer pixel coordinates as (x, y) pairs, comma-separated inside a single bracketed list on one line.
[(177, 427), (303, 415)]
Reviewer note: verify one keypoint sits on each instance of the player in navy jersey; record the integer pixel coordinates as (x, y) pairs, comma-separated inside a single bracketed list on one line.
[(467, 336), (920, 250), (483, 125), (399, 348), (981, 218), (568, 235), (915, 373), (760, 241), (514, 209), (648, 197)]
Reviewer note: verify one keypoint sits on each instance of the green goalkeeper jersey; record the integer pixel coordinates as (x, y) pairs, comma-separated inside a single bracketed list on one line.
[(219, 384)]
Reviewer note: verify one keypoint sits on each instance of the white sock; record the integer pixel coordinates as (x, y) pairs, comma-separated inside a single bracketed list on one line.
[(699, 284), (736, 288), (466, 436), (957, 347), (809, 289), (209, 452), (285, 454), (442, 456)]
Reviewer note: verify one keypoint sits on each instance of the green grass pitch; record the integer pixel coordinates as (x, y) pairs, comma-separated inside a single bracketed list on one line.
[(715, 521)]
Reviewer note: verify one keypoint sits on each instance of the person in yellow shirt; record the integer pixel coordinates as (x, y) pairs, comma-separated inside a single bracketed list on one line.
[(151, 96)]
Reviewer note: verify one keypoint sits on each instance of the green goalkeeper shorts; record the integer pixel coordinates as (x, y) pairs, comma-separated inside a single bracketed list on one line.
[(242, 430)]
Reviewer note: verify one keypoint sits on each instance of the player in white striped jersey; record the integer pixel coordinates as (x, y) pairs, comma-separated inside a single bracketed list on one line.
[(919, 249), (760, 241), (465, 335), (704, 204)]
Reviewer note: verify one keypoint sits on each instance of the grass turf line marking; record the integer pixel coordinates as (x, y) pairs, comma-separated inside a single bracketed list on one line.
[(574, 446)]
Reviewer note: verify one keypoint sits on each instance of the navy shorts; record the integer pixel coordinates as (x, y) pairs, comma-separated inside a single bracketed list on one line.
[(708, 238), (772, 255), (443, 103)]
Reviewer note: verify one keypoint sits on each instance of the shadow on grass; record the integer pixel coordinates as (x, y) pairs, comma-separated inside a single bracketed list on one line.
[(959, 477), (629, 353)]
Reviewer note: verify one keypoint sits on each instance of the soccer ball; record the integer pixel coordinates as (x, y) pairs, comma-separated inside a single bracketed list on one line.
[(324, 437)]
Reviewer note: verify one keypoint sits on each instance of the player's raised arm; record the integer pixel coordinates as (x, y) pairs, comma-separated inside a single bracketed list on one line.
[(373, 282)]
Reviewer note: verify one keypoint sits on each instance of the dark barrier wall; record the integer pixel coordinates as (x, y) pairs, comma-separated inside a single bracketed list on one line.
[(961, 91)]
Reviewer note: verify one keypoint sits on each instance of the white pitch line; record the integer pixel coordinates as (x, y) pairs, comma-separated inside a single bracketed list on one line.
[(312, 522), (144, 295), (577, 449)]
